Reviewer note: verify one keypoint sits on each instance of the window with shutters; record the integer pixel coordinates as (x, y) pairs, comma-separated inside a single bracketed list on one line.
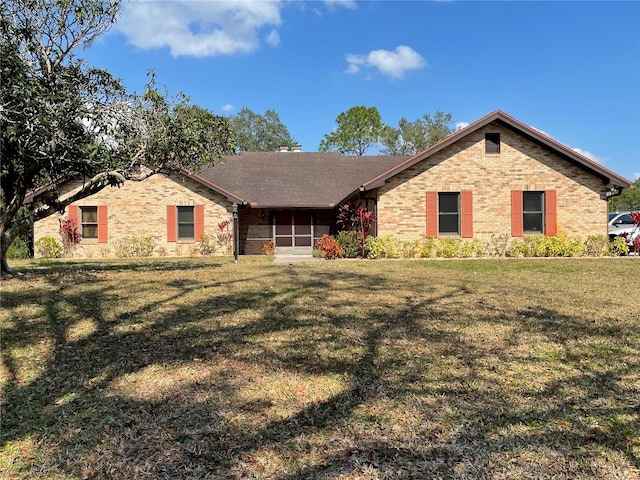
[(492, 143), (533, 212), (186, 223), (89, 223), (448, 213)]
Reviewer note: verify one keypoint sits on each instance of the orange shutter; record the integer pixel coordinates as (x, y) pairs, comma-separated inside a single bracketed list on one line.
[(103, 228), (516, 213), (72, 213), (172, 223), (466, 207), (199, 222), (550, 217), (432, 214)]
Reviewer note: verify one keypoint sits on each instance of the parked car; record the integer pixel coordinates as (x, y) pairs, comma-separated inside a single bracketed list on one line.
[(623, 224)]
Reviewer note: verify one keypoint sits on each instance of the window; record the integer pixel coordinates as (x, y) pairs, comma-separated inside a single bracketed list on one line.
[(492, 143), (533, 212), (89, 223), (186, 223), (448, 213)]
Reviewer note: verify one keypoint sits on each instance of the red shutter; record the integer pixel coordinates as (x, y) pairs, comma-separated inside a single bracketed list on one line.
[(172, 223), (550, 217), (103, 228), (72, 213), (199, 221), (466, 207), (516, 213), (432, 214)]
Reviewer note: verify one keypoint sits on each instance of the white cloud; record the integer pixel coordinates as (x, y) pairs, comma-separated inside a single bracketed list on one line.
[(589, 155), (332, 4), (636, 176), (199, 28), (461, 125), (393, 64), (273, 39), (228, 107), (541, 131)]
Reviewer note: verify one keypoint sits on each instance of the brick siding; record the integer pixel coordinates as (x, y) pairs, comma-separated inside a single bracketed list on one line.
[(520, 165), (140, 209)]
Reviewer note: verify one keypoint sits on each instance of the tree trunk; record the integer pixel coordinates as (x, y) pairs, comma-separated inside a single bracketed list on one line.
[(4, 267)]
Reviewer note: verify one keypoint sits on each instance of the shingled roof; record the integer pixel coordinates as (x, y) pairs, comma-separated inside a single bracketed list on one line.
[(293, 179)]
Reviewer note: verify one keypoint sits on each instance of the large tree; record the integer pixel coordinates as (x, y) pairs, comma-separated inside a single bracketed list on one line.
[(413, 137), (259, 133), (358, 130), (61, 120)]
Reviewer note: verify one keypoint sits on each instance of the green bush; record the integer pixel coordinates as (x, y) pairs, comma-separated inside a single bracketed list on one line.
[(18, 249), (410, 248), (454, 247), (134, 247), (350, 242), (618, 247), (545, 246), (383, 247), (428, 248), (49, 247)]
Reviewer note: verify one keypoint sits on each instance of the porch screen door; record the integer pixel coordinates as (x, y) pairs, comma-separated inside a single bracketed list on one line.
[(293, 233)]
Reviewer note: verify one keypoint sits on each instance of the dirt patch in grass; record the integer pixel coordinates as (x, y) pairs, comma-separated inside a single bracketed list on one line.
[(323, 370)]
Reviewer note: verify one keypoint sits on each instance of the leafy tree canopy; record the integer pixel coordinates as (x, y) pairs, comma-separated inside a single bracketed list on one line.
[(259, 133), (413, 137), (629, 199), (358, 130), (61, 120)]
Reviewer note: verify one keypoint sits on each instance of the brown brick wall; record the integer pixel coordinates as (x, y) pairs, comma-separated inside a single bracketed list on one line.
[(520, 165), (140, 209)]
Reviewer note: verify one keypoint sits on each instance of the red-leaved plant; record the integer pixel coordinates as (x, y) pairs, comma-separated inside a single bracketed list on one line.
[(358, 219), (225, 236), (634, 234), (69, 233)]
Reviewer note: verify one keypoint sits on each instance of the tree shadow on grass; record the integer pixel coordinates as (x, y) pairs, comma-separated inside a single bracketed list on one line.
[(181, 386)]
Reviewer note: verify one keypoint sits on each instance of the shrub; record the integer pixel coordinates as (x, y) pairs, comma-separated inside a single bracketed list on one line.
[(498, 245), (618, 247), (49, 247), (351, 243), (596, 246), (269, 248), (134, 247), (545, 246), (383, 247), (410, 248), (18, 249), (428, 248), (329, 247), (208, 245)]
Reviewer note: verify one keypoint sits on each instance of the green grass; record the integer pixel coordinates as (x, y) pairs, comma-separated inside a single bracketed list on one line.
[(200, 368)]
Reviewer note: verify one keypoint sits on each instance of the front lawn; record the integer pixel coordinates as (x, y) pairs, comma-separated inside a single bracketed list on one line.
[(200, 368)]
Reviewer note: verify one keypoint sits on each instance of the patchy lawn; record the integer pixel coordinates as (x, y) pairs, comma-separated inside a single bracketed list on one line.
[(189, 369)]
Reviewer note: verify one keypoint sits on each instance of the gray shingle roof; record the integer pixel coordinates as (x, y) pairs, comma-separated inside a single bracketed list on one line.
[(295, 179)]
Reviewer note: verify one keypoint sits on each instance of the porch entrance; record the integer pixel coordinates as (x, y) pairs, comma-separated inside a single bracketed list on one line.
[(293, 233)]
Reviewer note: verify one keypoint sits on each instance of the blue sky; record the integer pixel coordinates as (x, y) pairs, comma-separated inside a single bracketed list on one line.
[(569, 69)]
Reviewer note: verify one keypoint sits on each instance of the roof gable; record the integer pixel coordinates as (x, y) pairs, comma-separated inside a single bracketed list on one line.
[(607, 176)]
